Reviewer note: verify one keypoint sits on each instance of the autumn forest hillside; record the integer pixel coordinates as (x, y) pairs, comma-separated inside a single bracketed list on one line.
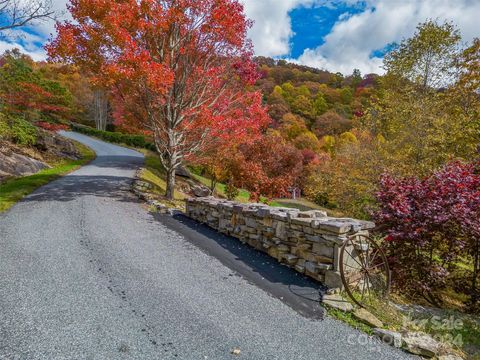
[(327, 102), (310, 107), (399, 148)]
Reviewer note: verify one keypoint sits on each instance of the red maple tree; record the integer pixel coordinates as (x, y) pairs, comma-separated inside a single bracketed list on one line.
[(267, 167), (180, 69)]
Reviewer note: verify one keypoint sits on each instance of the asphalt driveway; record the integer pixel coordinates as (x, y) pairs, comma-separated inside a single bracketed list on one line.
[(86, 272)]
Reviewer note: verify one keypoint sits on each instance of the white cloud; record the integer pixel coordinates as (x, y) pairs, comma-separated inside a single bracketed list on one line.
[(47, 28), (350, 42), (272, 30), (28, 42), (353, 38), (25, 41), (35, 54)]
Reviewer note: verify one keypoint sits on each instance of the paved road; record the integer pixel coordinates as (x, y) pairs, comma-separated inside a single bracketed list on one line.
[(87, 273)]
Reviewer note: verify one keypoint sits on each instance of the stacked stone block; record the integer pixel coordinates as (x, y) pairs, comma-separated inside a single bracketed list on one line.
[(308, 241)]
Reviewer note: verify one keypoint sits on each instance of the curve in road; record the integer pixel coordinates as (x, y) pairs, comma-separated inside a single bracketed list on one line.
[(87, 273)]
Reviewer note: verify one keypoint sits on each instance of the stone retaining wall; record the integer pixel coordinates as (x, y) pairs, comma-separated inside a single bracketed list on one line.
[(308, 241)]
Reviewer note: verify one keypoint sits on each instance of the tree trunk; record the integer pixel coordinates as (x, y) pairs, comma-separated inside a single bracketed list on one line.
[(100, 109), (476, 266), (213, 185), (170, 193), (213, 180)]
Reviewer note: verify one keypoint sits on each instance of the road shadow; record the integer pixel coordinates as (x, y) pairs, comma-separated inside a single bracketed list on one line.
[(72, 187), (106, 176), (294, 289), (118, 162)]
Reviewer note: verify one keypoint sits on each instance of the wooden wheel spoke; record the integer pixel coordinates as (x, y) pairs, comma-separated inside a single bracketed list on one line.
[(361, 265), (350, 266), (374, 256), (363, 289), (356, 278), (355, 285), (368, 288), (361, 255), (371, 277), (376, 266)]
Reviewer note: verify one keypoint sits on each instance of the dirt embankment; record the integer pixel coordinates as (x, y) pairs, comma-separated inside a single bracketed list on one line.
[(20, 161)]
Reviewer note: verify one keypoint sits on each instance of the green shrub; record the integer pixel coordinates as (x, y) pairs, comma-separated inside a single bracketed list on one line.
[(196, 169), (321, 198), (22, 132), (137, 141), (231, 191), (17, 130), (5, 132)]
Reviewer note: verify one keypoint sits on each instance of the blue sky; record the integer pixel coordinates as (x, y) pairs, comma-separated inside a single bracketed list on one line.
[(343, 35), (311, 23), (337, 35)]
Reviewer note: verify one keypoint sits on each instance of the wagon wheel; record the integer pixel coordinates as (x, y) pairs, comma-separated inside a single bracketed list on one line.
[(364, 270)]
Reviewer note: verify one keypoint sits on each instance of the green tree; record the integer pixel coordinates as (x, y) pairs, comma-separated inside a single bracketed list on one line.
[(428, 58), (303, 90), (292, 126), (356, 78), (288, 91), (25, 92), (466, 90), (277, 90), (320, 105), (336, 80), (347, 95), (308, 140), (303, 106), (423, 127), (328, 144), (347, 137)]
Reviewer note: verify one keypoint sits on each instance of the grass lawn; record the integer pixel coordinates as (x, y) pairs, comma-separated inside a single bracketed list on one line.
[(304, 205), (243, 195), (14, 190), (159, 187), (154, 174)]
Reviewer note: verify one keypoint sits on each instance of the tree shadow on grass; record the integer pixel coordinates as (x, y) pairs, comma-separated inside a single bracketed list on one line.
[(296, 290)]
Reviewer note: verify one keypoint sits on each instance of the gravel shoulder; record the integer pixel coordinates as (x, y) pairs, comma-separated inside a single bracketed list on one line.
[(87, 273)]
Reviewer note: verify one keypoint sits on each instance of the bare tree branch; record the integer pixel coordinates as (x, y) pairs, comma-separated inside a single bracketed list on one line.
[(18, 13)]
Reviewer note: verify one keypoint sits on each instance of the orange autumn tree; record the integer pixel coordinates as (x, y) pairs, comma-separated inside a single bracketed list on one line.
[(223, 146), (267, 167), (180, 69)]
